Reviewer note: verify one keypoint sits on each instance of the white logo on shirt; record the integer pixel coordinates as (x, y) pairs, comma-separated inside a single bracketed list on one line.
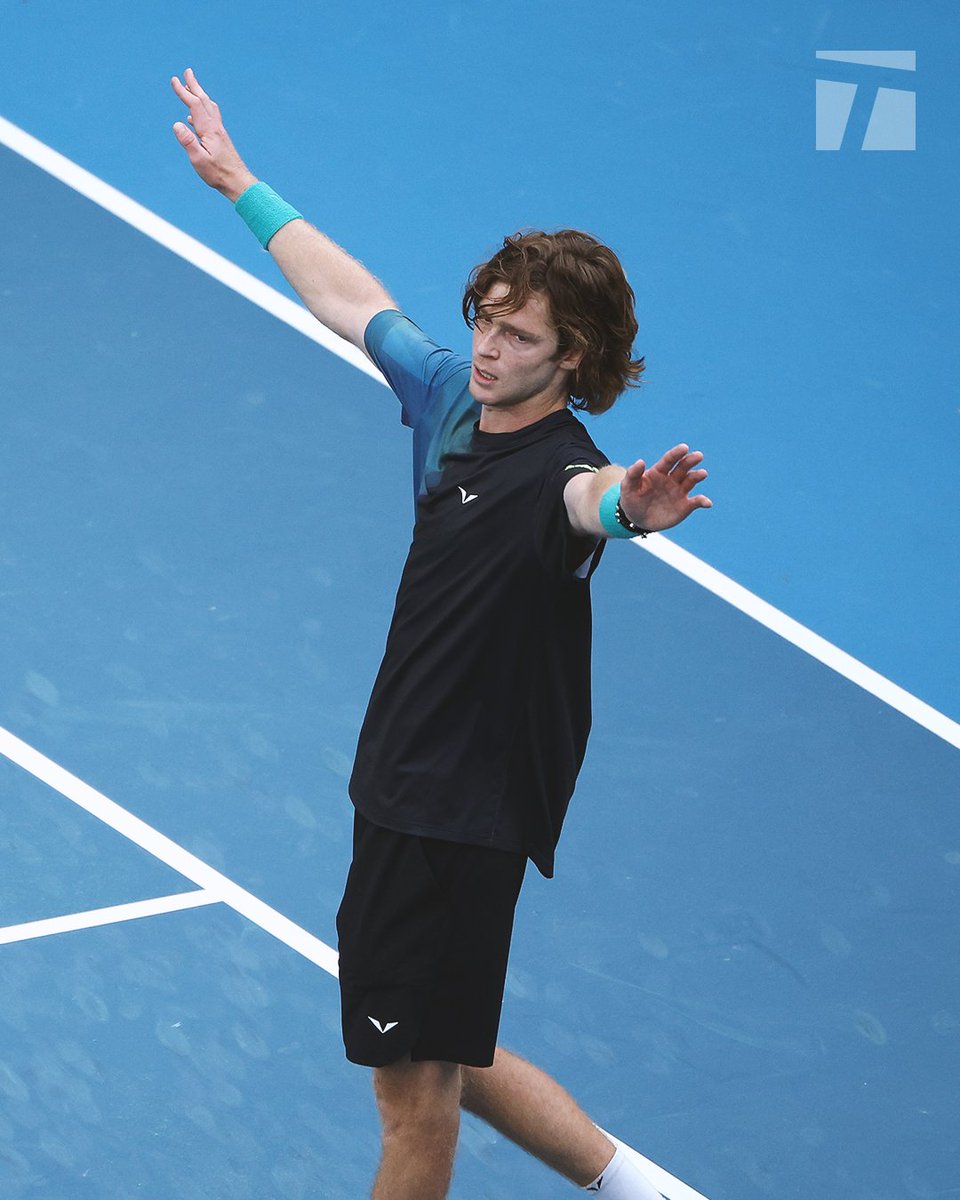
[(386, 1026), (465, 498)]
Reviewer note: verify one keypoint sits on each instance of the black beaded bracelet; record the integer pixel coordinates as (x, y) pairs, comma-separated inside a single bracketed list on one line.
[(628, 524)]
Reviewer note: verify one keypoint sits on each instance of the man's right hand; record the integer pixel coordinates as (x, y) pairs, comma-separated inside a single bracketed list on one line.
[(339, 291), (208, 145)]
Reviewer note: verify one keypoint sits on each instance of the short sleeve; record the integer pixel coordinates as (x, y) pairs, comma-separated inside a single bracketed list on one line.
[(563, 551), (432, 384), (417, 369)]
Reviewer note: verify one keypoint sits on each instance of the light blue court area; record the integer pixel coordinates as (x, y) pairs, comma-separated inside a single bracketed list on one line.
[(747, 965), (798, 308)]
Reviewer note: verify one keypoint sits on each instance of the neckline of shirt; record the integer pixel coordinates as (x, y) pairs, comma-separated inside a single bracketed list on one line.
[(562, 416)]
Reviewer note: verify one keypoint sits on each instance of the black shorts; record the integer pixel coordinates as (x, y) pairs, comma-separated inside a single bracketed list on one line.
[(424, 931)]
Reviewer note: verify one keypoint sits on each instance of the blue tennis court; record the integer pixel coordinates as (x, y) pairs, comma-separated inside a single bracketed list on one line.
[(746, 967)]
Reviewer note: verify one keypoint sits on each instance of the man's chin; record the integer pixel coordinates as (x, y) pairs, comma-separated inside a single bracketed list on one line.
[(482, 396)]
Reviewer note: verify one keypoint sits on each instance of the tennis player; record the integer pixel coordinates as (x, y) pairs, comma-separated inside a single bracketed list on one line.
[(478, 721)]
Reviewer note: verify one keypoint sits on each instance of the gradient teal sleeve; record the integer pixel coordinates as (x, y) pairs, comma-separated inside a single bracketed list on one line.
[(432, 385)]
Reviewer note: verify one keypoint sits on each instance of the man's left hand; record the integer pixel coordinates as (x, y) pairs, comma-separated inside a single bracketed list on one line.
[(658, 497)]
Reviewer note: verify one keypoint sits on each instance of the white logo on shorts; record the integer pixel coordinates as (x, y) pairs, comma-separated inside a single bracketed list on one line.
[(465, 496), (386, 1026)]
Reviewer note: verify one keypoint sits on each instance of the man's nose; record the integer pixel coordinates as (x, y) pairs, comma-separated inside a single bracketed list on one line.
[(486, 344)]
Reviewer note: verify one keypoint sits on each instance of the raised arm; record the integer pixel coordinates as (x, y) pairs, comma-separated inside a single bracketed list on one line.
[(338, 290), (651, 498)]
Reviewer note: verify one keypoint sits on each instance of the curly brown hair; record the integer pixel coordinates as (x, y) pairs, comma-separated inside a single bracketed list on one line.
[(590, 303)]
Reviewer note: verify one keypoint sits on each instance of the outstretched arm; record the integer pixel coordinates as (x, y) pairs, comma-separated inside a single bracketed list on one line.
[(653, 498), (338, 290)]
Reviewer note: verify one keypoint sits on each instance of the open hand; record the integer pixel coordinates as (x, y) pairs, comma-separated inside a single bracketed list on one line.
[(208, 145), (659, 497)]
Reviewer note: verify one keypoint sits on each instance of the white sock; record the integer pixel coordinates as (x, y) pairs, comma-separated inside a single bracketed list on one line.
[(622, 1179)]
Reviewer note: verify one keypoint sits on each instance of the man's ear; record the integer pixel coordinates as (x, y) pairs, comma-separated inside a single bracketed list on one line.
[(571, 360)]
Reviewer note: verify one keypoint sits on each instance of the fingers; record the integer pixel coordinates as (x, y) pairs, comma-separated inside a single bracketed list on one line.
[(679, 463), (193, 95), (190, 87), (191, 143), (203, 115), (673, 457), (691, 479), (194, 84), (184, 93), (184, 135), (194, 103)]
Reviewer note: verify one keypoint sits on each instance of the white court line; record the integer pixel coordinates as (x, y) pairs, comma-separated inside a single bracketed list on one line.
[(662, 1180), (95, 917), (219, 887), (216, 887), (805, 639), (295, 315), (181, 243)]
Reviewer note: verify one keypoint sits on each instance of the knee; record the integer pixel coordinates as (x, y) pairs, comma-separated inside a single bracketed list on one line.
[(418, 1100), (472, 1090)]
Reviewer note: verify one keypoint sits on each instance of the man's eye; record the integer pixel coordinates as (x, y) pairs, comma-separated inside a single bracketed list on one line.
[(521, 337)]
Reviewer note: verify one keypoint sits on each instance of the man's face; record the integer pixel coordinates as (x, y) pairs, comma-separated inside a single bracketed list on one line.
[(515, 357)]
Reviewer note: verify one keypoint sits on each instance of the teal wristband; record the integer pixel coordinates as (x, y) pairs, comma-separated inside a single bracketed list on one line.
[(612, 517), (264, 212)]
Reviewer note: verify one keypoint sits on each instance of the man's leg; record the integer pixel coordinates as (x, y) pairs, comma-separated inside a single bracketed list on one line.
[(419, 1105), (535, 1112)]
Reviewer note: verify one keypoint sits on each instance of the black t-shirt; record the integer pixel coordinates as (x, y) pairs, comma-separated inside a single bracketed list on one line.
[(479, 717)]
